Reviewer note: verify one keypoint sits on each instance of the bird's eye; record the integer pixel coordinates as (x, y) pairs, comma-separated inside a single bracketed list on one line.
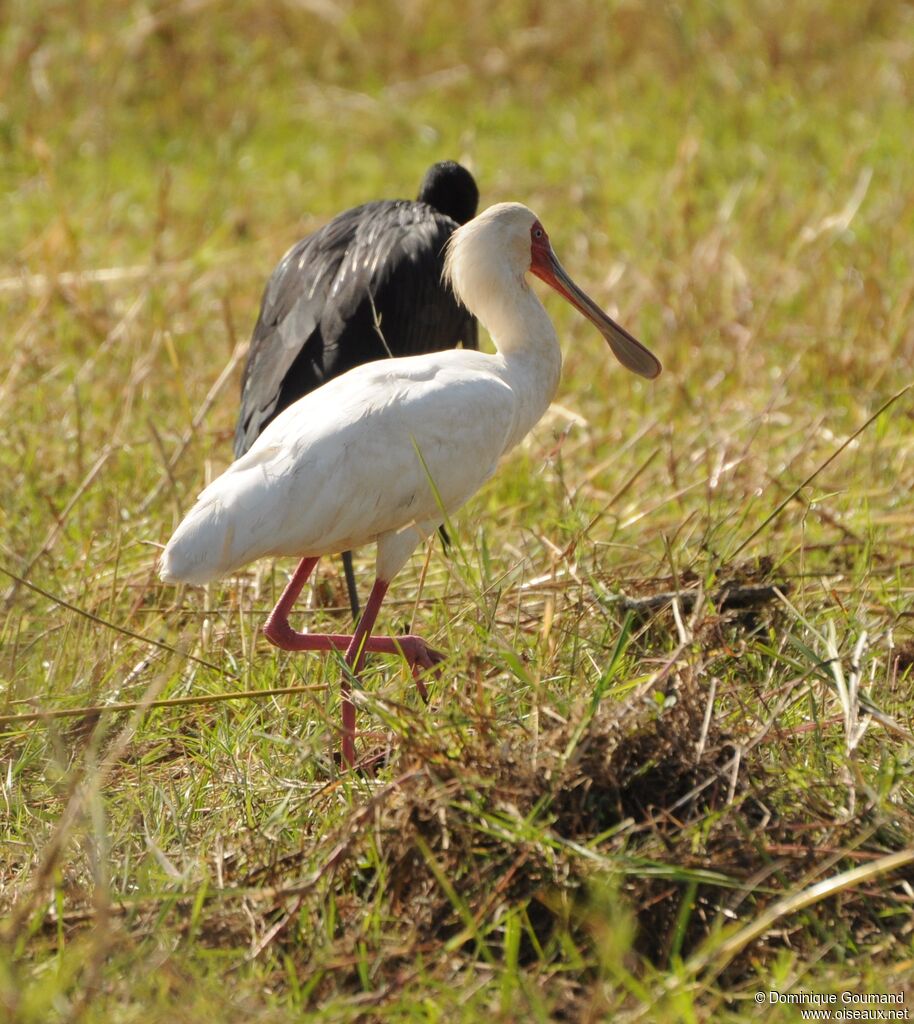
[(537, 232)]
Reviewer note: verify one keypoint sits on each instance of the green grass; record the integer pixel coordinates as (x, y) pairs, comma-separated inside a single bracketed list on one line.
[(605, 815)]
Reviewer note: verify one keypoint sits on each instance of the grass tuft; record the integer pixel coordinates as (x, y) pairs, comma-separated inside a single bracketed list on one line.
[(669, 761)]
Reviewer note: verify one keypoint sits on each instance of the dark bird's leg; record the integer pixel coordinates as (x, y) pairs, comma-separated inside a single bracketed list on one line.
[(350, 585), (281, 634)]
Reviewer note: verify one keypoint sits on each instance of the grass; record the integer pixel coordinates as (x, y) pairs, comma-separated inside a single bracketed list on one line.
[(613, 810)]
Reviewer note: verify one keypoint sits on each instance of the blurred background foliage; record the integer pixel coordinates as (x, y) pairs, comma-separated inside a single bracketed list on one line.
[(732, 179)]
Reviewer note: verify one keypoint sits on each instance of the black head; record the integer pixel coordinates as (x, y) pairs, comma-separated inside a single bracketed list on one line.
[(451, 189)]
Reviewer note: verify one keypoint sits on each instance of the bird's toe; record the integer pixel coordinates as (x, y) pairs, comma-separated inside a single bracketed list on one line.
[(429, 657), (421, 658)]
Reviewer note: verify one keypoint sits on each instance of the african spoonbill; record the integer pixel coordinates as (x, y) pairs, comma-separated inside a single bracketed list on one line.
[(386, 451), (365, 286)]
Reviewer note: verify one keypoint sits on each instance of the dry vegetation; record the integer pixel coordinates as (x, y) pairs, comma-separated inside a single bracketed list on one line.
[(617, 807)]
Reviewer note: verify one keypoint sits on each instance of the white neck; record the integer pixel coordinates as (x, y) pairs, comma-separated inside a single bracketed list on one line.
[(486, 264), (528, 345)]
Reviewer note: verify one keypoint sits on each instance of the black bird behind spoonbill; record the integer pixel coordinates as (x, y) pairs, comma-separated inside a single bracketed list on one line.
[(368, 285), (386, 451)]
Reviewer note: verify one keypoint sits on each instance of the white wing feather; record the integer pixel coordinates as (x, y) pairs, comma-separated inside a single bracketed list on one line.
[(342, 466)]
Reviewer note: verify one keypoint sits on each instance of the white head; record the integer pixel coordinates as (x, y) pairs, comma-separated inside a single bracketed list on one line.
[(488, 257)]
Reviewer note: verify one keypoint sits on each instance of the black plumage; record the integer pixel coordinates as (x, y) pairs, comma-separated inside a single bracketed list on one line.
[(365, 286)]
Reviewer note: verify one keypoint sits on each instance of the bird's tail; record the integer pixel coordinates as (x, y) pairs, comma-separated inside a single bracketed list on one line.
[(201, 549)]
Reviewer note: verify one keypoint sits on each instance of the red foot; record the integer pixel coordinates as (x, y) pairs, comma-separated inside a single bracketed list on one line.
[(380, 753), (421, 658)]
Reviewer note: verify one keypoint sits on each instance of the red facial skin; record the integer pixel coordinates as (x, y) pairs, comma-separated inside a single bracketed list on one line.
[(541, 254)]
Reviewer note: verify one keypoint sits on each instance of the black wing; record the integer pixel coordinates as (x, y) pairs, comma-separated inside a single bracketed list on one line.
[(365, 286)]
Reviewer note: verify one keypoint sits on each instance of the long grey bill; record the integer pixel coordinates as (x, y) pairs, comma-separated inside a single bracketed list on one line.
[(626, 348)]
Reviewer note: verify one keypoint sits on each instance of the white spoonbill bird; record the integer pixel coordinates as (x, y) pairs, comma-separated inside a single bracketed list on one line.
[(366, 286), (384, 452)]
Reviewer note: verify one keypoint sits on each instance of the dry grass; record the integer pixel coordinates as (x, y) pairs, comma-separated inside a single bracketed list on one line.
[(617, 808)]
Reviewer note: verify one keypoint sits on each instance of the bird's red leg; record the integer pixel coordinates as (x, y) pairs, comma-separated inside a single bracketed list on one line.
[(355, 659), (277, 629), (413, 648), (281, 634)]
